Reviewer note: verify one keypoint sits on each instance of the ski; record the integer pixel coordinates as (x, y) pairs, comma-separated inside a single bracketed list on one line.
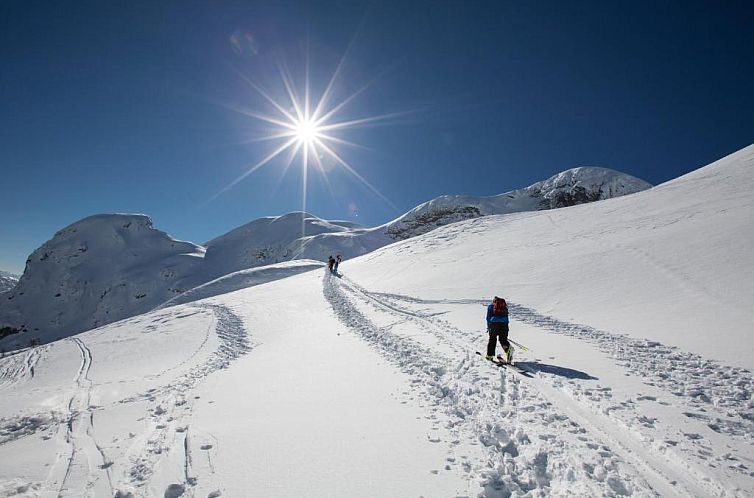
[(500, 362), (523, 371), (496, 361)]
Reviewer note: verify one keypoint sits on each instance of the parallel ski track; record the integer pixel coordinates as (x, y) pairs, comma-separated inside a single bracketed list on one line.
[(723, 390), (81, 467), (512, 420), (666, 475), (171, 405), (19, 367)]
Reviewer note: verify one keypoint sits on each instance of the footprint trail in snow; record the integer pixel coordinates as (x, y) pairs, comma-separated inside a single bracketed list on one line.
[(541, 433)]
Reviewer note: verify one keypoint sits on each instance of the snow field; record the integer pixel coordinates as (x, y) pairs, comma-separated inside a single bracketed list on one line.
[(277, 390), (112, 401)]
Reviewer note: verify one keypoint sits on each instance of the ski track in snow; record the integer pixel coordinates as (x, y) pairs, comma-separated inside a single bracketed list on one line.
[(81, 466), (16, 369), (520, 428), (169, 409), (703, 384), (19, 367), (85, 450), (716, 394), (524, 421)]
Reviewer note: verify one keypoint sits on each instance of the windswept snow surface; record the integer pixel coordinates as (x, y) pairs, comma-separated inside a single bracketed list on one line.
[(367, 383)]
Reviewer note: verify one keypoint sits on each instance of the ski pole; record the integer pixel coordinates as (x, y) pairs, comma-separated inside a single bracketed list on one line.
[(523, 348)]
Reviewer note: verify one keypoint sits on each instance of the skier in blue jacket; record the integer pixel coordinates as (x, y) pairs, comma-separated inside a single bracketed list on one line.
[(497, 327)]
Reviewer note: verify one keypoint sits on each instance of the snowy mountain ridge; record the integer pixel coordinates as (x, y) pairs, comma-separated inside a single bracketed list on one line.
[(270, 240), (98, 270), (7, 281), (107, 267), (569, 188)]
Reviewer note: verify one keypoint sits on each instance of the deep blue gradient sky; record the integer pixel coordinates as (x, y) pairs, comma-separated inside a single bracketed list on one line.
[(121, 106)]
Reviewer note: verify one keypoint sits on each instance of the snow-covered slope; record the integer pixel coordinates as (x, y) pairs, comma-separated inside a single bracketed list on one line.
[(7, 281), (268, 240), (571, 187), (637, 380), (671, 263), (244, 278), (108, 267)]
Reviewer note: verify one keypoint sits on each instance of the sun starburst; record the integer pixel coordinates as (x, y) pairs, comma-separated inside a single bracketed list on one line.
[(307, 130)]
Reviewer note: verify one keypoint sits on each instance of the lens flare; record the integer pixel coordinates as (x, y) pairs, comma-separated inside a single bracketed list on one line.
[(307, 130)]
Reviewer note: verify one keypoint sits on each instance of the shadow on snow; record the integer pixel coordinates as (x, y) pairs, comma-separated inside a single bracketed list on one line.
[(568, 373)]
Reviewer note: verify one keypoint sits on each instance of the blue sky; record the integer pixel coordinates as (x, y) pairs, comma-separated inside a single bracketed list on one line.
[(124, 107)]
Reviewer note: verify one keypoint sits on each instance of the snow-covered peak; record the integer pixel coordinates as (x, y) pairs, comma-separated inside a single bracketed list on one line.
[(129, 235), (7, 281), (571, 187), (586, 184), (95, 271)]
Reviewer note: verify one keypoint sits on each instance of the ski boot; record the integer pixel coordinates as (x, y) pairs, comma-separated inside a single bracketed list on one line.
[(509, 355)]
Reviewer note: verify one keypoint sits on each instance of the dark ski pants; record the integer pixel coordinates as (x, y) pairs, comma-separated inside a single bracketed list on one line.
[(497, 331)]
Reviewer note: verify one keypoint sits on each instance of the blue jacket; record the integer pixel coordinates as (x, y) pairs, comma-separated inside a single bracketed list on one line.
[(495, 318)]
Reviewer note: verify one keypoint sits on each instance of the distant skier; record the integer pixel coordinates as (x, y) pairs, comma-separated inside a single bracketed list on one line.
[(330, 263), (338, 259), (497, 327)]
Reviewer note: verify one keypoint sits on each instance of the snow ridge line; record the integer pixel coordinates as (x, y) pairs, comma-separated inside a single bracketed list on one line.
[(531, 447), (702, 383), (171, 406)]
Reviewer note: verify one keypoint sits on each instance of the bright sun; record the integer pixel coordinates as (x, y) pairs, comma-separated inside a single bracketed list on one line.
[(306, 131)]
